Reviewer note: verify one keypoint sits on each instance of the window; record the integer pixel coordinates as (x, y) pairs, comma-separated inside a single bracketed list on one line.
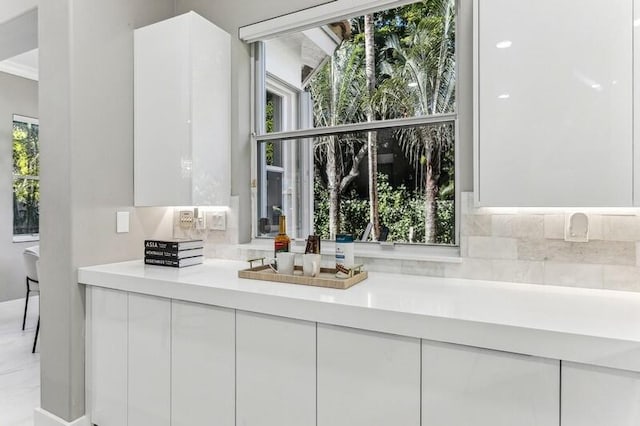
[(26, 181), (356, 127)]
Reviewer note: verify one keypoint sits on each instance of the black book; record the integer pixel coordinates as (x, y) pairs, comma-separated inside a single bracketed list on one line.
[(179, 263), (173, 245), (173, 254)]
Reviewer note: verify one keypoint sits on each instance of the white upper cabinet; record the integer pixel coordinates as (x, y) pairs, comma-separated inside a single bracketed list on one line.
[(182, 113), (553, 103)]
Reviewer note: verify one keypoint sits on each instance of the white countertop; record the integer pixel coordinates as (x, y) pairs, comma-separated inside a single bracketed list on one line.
[(599, 327)]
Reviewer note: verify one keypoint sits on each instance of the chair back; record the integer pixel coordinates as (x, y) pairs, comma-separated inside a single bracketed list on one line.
[(30, 259)]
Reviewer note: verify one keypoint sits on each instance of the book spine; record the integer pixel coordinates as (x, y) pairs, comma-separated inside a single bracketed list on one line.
[(161, 245), (166, 254), (162, 262)]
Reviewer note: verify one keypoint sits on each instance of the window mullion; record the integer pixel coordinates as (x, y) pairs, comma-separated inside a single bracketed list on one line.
[(358, 127)]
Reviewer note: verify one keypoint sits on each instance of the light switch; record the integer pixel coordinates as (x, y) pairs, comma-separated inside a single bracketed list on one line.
[(217, 221), (122, 222)]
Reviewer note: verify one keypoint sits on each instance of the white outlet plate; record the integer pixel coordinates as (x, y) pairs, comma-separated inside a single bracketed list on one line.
[(576, 227), (217, 221), (186, 219)]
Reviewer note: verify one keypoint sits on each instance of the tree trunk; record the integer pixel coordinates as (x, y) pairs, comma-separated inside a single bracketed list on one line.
[(372, 143), (333, 187), (431, 207)]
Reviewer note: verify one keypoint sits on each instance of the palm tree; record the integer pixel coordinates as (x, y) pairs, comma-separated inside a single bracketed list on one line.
[(372, 140), (338, 91), (421, 81)]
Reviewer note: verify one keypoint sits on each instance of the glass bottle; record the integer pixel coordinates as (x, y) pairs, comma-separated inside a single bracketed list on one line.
[(282, 240)]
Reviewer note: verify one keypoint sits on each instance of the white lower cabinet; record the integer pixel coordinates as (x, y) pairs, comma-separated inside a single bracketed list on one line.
[(367, 378), (597, 396), (154, 361), (107, 356), (276, 371), (464, 386), (149, 366), (202, 365)]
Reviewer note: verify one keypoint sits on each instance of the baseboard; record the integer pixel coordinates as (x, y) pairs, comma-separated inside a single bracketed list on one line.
[(42, 417)]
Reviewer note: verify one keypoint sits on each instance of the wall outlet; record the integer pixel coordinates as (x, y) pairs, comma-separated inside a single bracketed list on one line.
[(186, 219), (217, 221), (576, 227)]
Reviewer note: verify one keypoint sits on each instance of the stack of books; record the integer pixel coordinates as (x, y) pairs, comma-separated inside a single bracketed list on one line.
[(177, 253)]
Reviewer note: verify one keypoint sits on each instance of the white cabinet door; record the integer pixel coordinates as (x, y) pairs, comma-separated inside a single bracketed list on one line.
[(464, 386), (107, 356), (596, 396), (202, 365), (554, 91), (276, 371), (367, 378), (636, 103), (149, 360), (182, 104)]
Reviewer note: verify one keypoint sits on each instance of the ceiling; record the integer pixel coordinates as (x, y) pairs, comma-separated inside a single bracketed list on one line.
[(23, 65)]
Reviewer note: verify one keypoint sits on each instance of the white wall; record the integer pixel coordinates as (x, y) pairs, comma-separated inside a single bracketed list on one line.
[(284, 61), (19, 96)]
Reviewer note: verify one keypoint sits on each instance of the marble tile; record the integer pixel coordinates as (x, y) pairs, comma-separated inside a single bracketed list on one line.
[(475, 269), (621, 228), (593, 252), (554, 226), (19, 368), (532, 249), (493, 248), (502, 225), (430, 269), (596, 227), (573, 275), (476, 225), (381, 265), (466, 203), (520, 271), (528, 226), (622, 278), (464, 246)]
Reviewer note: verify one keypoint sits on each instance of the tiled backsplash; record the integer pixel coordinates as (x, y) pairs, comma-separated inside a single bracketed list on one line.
[(508, 245), (530, 247)]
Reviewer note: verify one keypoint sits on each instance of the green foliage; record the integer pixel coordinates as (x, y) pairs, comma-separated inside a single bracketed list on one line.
[(400, 210), (416, 75), (269, 126), (26, 186)]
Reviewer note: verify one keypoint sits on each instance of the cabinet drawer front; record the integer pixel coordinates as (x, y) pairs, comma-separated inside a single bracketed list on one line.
[(367, 378), (464, 386)]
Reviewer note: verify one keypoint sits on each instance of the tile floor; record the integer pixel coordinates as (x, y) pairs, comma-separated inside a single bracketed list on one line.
[(19, 368)]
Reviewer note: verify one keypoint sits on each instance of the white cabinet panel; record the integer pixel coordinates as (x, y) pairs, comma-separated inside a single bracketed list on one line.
[(636, 103), (595, 396), (202, 365), (367, 378), (149, 360), (107, 361), (554, 95), (464, 386), (276, 371), (182, 104)]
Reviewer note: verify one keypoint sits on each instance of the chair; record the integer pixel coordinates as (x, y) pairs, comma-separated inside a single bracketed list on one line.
[(35, 339), (31, 255)]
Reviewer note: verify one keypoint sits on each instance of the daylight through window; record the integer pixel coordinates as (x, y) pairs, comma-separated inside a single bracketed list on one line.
[(356, 127), (26, 181)]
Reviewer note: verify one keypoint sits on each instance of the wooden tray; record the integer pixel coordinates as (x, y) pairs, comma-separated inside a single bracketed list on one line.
[(327, 277)]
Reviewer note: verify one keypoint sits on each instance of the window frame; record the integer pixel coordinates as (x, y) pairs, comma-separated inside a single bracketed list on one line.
[(320, 15), (22, 238)]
